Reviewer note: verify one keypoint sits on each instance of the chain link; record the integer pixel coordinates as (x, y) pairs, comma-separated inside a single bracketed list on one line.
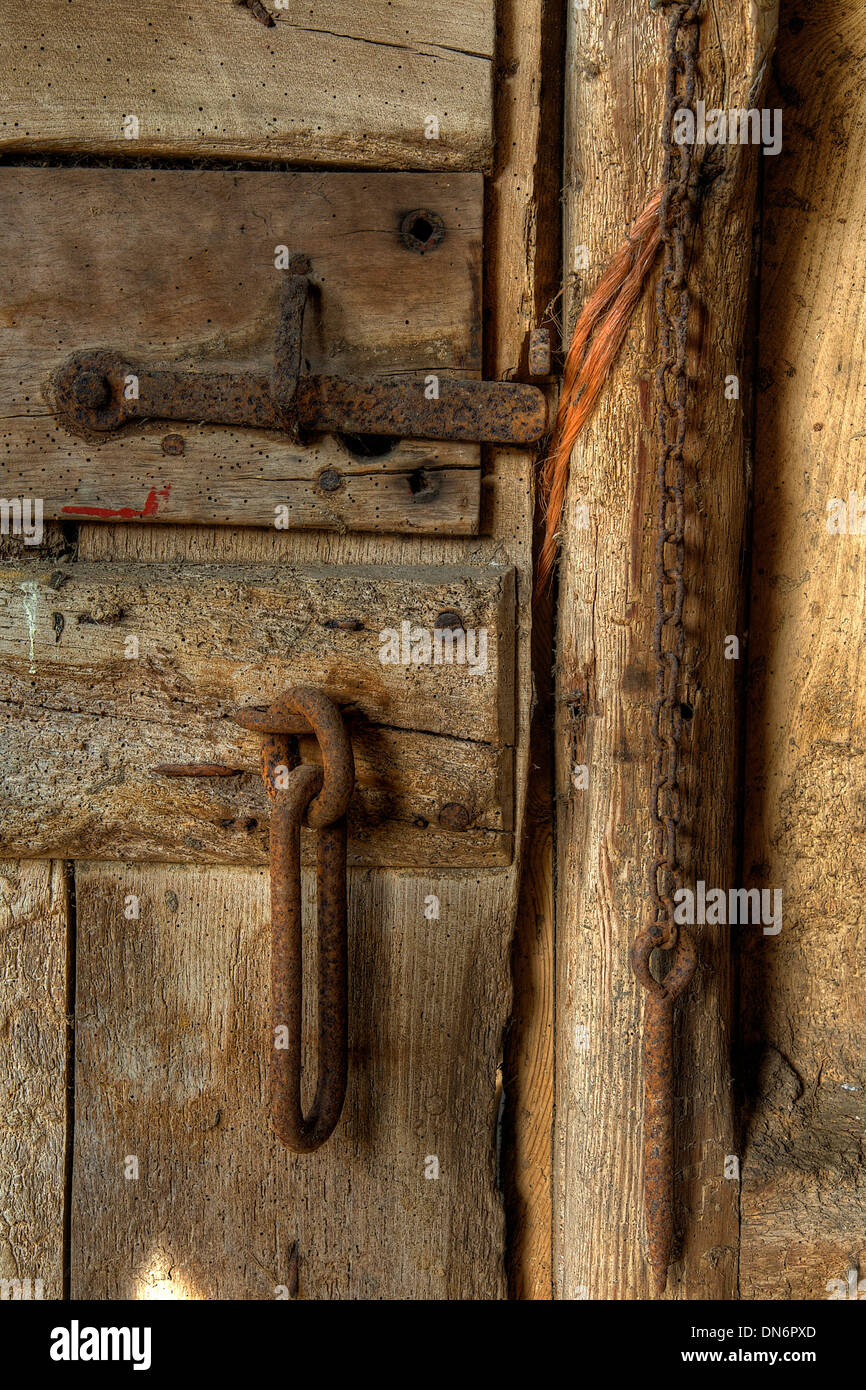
[(660, 931), (672, 309)]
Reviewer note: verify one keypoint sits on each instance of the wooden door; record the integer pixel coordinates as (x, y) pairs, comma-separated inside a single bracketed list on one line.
[(136, 1155)]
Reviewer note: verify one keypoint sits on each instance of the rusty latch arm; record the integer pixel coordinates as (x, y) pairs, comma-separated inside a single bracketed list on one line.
[(92, 394)]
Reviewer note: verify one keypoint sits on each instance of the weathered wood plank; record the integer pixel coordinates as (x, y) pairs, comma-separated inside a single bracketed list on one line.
[(33, 1078), (173, 1073), (95, 801), (181, 640), (88, 268), (605, 679), (109, 671), (804, 998), (340, 84)]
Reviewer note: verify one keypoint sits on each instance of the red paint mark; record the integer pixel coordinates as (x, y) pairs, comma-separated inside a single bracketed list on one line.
[(151, 507)]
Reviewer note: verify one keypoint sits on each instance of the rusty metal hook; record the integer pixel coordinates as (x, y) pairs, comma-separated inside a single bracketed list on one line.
[(322, 796), (658, 1063)]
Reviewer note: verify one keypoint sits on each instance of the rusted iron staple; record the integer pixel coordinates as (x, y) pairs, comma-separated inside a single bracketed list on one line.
[(319, 796)]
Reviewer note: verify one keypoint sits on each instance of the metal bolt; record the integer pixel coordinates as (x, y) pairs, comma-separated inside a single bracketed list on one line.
[(92, 390), (449, 619), (422, 230), (453, 816), (539, 352), (173, 444), (330, 480), (423, 486)]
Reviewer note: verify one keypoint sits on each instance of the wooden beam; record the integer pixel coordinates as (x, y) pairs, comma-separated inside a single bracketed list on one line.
[(605, 679), (342, 84), (109, 671), (804, 998)]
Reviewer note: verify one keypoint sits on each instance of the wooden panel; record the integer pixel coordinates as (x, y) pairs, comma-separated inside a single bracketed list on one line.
[(33, 1045), (340, 83), (343, 1195), (95, 722), (89, 267), (173, 1073), (606, 679), (804, 994)]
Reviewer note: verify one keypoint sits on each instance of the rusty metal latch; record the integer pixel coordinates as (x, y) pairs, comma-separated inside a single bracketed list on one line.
[(100, 391), (320, 795)]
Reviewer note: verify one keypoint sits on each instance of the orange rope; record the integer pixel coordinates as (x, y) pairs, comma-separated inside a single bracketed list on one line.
[(598, 337)]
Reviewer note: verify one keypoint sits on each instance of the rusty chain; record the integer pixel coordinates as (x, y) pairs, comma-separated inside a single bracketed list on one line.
[(661, 932)]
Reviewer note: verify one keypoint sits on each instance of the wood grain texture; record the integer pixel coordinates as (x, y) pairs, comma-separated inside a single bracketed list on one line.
[(34, 912), (89, 268), (337, 84), (172, 1049), (87, 718), (804, 997), (605, 676)]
